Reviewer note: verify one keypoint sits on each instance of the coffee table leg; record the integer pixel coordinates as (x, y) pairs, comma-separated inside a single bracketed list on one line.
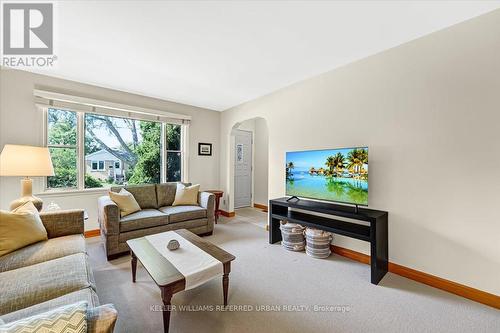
[(225, 281), (166, 297), (133, 261)]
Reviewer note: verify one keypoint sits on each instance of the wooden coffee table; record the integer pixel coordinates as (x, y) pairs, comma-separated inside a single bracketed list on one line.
[(166, 275)]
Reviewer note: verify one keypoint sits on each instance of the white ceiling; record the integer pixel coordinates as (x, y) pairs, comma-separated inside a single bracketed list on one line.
[(221, 54)]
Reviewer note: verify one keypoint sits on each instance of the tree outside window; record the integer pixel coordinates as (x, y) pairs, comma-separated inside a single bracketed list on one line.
[(116, 150), (62, 143), (135, 144), (174, 154)]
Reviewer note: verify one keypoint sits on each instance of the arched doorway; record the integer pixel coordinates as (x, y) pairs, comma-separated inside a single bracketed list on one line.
[(248, 164)]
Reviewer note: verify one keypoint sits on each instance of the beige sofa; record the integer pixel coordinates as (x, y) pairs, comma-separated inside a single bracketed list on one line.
[(156, 215), (49, 274)]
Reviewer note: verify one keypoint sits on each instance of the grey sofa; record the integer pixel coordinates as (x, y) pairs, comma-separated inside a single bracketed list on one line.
[(156, 215), (49, 274)]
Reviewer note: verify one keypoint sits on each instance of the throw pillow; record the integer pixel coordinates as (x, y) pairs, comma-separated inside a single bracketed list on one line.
[(65, 319), (101, 319), (186, 195), (125, 201), (20, 227)]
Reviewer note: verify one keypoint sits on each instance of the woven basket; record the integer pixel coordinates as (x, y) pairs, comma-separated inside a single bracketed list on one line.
[(292, 236), (318, 243)]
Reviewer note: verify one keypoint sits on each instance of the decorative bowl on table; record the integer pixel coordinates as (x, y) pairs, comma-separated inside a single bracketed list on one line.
[(173, 245)]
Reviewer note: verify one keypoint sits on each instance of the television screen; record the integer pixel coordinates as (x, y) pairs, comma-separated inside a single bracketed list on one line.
[(333, 174)]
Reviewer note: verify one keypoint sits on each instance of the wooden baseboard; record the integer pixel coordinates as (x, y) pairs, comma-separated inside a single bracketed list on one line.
[(92, 233), (227, 214), (259, 206), (428, 279), (357, 256)]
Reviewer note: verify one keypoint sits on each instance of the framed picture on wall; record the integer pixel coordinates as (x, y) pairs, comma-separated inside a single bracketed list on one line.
[(204, 149)]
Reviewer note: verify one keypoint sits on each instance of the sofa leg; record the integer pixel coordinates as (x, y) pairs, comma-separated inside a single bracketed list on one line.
[(206, 234)]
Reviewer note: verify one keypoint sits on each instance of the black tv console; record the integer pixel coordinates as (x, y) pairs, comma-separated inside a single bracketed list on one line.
[(376, 232)]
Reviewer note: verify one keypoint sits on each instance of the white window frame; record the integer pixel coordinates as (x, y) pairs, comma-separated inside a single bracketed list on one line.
[(182, 151), (80, 148)]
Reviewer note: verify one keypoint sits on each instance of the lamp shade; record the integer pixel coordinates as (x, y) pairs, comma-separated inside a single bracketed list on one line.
[(16, 160)]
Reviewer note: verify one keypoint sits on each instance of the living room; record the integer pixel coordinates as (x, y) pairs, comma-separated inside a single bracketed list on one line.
[(146, 183)]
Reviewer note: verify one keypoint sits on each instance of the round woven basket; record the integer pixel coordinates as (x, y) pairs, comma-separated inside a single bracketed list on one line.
[(292, 236), (318, 243)]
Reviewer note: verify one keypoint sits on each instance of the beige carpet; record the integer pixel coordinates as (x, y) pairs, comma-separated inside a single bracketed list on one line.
[(265, 274)]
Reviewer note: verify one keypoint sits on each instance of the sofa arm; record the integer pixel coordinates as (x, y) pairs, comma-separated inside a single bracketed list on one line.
[(63, 222), (108, 215), (207, 201)]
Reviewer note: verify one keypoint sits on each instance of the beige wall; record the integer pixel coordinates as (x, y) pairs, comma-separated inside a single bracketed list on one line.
[(261, 162), (429, 110), (21, 123)]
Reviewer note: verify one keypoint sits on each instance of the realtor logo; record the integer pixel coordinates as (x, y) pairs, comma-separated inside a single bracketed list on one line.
[(28, 28)]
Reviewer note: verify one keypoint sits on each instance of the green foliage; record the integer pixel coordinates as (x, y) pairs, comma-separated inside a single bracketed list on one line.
[(142, 155), (147, 170), (174, 159), (64, 176), (91, 182)]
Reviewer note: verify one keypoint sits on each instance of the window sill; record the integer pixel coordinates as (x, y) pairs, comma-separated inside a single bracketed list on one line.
[(63, 193)]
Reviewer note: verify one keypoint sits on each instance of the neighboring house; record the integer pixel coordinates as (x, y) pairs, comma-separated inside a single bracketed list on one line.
[(105, 166)]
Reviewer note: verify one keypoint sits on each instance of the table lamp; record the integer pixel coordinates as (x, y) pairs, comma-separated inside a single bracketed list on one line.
[(26, 161)]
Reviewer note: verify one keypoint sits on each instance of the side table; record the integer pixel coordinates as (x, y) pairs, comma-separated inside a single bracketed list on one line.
[(218, 194)]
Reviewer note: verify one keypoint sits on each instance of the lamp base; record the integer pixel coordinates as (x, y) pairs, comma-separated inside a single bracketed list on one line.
[(27, 195), (37, 202)]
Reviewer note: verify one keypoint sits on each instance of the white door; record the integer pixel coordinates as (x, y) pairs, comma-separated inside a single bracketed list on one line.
[(243, 169)]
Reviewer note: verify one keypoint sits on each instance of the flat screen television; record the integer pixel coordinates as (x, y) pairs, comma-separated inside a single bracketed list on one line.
[(339, 175)]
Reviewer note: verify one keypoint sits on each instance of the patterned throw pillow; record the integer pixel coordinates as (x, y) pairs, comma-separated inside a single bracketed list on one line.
[(66, 319), (101, 319)]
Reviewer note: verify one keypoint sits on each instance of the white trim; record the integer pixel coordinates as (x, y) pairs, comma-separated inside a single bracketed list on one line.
[(80, 151), (163, 153), (72, 192), (185, 153), (95, 103)]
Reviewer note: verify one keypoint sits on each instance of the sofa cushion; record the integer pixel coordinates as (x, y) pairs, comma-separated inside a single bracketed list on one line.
[(41, 282), (183, 213), (64, 319), (145, 218), (197, 226), (144, 194), (186, 195), (166, 193), (42, 251), (20, 228), (88, 295), (125, 202)]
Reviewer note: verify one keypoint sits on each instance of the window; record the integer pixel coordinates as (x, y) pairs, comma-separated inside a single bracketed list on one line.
[(135, 142), (174, 153), (92, 150), (97, 165), (62, 143)]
